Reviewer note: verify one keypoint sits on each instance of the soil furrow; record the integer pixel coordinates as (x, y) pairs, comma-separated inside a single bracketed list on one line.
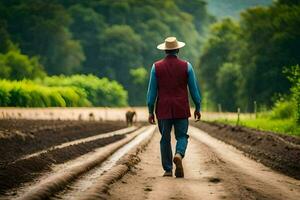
[(96, 180), (30, 136), (50, 183), (282, 154), (26, 170)]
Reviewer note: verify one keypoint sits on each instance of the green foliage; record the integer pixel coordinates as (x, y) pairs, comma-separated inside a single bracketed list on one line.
[(217, 51), (41, 28), (105, 38), (87, 27), (228, 77), (283, 126), (29, 94), (62, 91), (289, 2), (264, 41), (100, 92), (139, 80), (5, 41), (283, 109), (139, 75), (117, 40), (17, 66), (293, 74)]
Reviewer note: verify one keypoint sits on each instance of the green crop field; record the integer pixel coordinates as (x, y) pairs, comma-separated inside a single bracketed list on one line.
[(284, 126)]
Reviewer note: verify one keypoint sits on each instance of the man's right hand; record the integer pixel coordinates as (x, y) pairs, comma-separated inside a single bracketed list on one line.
[(151, 119), (197, 115)]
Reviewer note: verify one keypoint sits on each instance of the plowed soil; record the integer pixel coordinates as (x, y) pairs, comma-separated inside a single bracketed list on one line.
[(277, 151), (19, 138)]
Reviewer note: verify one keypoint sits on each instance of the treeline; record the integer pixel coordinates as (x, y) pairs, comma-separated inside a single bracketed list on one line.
[(114, 39), (62, 91), (243, 61)]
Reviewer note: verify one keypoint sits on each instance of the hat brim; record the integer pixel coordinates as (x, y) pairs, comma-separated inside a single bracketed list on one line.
[(162, 46)]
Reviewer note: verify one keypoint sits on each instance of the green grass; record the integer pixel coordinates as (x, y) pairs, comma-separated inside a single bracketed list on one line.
[(265, 123)]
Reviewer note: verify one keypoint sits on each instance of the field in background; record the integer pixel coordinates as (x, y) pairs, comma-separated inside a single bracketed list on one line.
[(286, 126), (96, 113)]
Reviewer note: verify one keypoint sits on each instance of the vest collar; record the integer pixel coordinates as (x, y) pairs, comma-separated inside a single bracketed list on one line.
[(171, 56)]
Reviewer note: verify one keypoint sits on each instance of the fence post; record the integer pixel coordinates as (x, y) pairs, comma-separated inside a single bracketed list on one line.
[(219, 108), (255, 109), (238, 116)]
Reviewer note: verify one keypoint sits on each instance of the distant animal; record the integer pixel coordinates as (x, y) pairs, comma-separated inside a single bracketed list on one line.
[(91, 117), (129, 117)]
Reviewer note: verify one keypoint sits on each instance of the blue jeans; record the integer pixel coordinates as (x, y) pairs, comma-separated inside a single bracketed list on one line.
[(181, 128)]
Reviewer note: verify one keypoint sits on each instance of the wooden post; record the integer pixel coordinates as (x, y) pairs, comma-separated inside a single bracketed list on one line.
[(238, 117), (255, 109), (219, 108)]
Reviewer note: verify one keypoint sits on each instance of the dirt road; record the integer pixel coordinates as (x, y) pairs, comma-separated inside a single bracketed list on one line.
[(213, 170)]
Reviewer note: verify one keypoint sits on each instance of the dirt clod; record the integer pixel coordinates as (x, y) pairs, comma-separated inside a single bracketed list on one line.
[(214, 180)]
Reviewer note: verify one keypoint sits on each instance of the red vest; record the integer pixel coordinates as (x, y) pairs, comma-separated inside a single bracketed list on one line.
[(172, 76)]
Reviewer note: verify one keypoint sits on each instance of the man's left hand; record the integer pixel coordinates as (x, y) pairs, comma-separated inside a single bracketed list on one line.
[(151, 119)]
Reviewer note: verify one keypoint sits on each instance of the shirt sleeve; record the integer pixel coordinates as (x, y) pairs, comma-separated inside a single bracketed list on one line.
[(152, 90), (194, 87)]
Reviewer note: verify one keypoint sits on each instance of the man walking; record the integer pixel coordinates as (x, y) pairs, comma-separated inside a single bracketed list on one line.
[(168, 84)]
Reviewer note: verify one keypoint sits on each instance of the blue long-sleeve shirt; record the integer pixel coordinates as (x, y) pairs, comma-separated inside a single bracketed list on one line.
[(192, 85)]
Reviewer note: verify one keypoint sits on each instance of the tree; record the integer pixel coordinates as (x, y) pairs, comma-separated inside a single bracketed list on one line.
[(139, 77), (293, 74), (16, 66), (87, 27), (228, 77), (41, 28), (262, 43), (288, 2), (219, 48), (120, 50), (271, 37), (5, 41), (106, 38)]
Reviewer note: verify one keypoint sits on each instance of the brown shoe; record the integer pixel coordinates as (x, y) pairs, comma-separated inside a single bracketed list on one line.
[(168, 173), (179, 168)]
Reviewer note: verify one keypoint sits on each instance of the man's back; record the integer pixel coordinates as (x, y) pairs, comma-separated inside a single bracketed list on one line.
[(172, 101)]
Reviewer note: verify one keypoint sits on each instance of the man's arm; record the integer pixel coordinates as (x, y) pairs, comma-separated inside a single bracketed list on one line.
[(152, 94), (194, 90)]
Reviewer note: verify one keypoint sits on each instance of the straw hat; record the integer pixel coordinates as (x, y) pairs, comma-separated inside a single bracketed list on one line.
[(170, 43)]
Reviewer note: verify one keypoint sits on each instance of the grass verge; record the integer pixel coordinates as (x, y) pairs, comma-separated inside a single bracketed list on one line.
[(266, 123)]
